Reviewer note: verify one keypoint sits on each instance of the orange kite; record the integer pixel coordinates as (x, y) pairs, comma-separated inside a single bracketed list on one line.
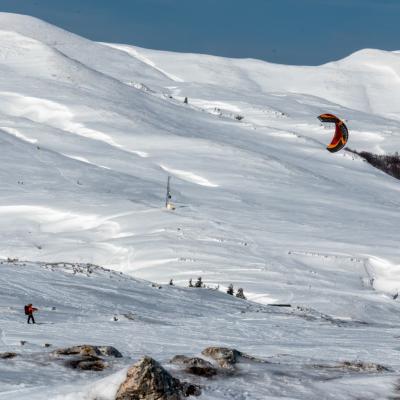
[(341, 133)]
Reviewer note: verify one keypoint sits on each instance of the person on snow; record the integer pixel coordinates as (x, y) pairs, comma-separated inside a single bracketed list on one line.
[(29, 310)]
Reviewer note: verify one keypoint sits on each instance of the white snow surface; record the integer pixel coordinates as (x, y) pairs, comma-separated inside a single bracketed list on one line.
[(89, 133)]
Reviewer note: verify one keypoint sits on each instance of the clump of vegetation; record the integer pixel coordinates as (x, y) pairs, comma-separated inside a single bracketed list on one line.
[(231, 290), (239, 293), (386, 163), (199, 283)]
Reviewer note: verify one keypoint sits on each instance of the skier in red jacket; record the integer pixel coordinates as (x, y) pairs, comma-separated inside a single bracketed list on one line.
[(29, 310)]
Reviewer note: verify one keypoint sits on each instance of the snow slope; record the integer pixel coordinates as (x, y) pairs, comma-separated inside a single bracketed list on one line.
[(90, 131), (77, 306)]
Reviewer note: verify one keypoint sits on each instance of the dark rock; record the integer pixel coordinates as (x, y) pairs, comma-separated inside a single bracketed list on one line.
[(189, 389), (109, 351), (87, 363), (130, 315), (156, 285), (148, 380), (7, 355), (195, 365)]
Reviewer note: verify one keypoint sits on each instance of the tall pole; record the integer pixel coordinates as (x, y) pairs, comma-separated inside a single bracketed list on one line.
[(168, 196)]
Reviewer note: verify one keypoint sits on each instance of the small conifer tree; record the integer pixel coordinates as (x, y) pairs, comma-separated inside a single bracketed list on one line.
[(230, 289), (240, 294), (199, 282)]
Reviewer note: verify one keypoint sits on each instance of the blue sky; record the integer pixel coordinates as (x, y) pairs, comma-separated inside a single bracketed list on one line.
[(307, 32)]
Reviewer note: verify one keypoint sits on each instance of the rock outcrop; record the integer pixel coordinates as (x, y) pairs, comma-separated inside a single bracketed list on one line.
[(89, 350), (195, 365), (224, 356), (87, 357), (227, 357), (354, 366), (359, 366), (148, 380)]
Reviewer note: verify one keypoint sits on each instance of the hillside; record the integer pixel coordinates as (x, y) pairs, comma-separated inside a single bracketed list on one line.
[(89, 305), (89, 134)]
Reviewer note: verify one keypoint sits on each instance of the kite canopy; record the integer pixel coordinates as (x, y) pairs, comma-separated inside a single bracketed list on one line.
[(341, 133)]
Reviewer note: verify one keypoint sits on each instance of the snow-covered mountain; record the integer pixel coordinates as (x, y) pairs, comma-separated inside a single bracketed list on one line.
[(89, 133)]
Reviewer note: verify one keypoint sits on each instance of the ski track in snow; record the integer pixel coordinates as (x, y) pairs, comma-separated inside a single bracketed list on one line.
[(189, 176), (135, 53), (18, 134), (85, 160)]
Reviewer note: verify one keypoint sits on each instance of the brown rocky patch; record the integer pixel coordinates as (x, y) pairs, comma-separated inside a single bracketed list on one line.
[(89, 350), (148, 380), (87, 363)]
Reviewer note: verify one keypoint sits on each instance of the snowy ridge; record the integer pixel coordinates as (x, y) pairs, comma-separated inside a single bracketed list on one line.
[(375, 89), (89, 133)]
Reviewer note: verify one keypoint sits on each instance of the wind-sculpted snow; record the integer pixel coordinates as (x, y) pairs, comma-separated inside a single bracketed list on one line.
[(89, 133)]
